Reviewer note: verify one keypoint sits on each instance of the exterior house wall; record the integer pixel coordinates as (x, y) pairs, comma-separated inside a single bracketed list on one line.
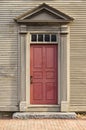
[(10, 51)]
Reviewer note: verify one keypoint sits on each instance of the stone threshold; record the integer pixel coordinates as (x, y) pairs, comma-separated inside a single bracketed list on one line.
[(44, 115)]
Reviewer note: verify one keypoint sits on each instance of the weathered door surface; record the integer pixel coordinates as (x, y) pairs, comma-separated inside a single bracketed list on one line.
[(43, 71)]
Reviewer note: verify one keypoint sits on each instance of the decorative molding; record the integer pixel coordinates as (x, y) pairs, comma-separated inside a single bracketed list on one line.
[(64, 30), (63, 60), (23, 29), (43, 15)]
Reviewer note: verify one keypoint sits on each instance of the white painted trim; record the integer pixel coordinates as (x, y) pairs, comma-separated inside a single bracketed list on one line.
[(38, 10), (28, 69), (59, 71), (68, 66), (64, 102), (66, 54), (64, 106), (43, 105)]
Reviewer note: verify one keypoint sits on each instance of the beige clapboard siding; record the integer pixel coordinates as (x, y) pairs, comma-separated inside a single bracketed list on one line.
[(9, 9), (8, 61), (78, 61)]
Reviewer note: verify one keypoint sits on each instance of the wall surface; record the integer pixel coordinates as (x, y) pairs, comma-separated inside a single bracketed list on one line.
[(9, 49)]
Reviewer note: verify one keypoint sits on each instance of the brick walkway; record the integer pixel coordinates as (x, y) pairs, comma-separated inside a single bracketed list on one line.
[(43, 124)]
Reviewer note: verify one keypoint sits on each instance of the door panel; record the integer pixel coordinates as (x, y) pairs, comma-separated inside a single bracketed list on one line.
[(43, 69), (50, 91), (49, 57), (38, 91)]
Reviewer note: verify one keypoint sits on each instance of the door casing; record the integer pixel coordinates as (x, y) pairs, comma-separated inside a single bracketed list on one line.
[(63, 65)]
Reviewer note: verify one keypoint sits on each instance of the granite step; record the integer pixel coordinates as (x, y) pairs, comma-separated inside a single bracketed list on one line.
[(44, 115)]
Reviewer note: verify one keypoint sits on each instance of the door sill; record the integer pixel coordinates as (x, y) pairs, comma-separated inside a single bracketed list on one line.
[(45, 108)]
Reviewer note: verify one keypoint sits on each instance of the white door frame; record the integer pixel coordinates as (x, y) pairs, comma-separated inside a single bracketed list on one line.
[(63, 67)]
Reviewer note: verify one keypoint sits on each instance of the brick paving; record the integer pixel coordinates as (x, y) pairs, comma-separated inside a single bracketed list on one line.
[(43, 124)]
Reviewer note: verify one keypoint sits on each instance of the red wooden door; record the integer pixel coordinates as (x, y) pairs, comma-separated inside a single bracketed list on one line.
[(43, 69)]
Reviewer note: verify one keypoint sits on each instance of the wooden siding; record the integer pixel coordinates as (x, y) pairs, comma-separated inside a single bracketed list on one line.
[(9, 9)]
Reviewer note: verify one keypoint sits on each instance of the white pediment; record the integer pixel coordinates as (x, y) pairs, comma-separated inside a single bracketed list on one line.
[(44, 16), (43, 13)]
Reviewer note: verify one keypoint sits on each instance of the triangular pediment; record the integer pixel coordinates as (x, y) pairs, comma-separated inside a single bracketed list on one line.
[(43, 14)]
